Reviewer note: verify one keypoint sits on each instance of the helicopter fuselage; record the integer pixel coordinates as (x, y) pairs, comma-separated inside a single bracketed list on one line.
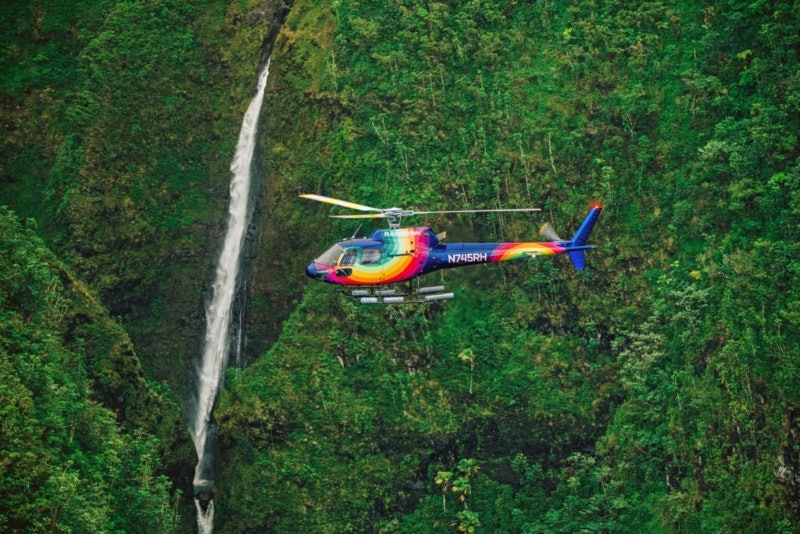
[(397, 255)]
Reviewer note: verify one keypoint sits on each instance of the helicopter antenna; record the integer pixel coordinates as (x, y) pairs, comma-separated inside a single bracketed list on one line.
[(356, 232)]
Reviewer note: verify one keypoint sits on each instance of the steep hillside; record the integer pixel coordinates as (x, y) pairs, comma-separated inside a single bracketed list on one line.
[(119, 124), (84, 439), (121, 121), (657, 391)]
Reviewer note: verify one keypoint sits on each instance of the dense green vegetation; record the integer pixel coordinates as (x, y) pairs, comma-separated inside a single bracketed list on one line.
[(656, 391), (119, 122), (122, 119), (79, 426)]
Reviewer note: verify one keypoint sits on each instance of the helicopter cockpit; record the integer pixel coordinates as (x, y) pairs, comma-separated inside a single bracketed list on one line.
[(330, 256), (359, 252), (345, 254)]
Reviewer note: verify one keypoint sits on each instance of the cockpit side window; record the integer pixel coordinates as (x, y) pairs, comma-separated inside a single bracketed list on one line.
[(349, 257), (370, 255)]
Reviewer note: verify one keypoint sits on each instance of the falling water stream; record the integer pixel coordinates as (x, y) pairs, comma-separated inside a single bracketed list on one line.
[(218, 314)]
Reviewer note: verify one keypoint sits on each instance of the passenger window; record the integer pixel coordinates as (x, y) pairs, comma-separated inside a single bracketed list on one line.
[(370, 255)]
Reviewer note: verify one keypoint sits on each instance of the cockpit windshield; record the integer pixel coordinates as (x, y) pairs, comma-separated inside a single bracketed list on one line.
[(330, 256)]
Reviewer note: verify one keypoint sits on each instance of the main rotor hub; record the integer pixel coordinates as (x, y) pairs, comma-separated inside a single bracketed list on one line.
[(394, 215)]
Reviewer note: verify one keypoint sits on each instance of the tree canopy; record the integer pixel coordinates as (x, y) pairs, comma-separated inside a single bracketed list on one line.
[(656, 391)]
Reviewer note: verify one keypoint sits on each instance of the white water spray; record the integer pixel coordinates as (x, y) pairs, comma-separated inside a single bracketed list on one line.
[(218, 314)]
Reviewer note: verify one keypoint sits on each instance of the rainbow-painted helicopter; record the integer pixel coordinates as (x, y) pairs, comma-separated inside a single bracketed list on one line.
[(396, 255)]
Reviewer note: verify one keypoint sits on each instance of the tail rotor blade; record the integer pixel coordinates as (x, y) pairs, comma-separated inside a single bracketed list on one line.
[(548, 232)]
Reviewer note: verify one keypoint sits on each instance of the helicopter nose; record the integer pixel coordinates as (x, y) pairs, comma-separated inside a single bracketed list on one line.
[(311, 270), (316, 271)]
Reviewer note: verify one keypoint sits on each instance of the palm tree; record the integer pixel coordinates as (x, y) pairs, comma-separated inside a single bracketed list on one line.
[(443, 478)]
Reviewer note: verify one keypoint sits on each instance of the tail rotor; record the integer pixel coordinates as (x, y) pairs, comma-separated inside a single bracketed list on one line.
[(577, 246), (548, 232)]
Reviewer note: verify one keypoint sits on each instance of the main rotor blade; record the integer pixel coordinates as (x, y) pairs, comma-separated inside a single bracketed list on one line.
[(362, 216), (337, 202), (476, 211), (407, 213)]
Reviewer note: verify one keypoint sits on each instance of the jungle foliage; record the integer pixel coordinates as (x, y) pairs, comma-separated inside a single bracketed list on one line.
[(114, 116), (121, 121), (657, 391), (83, 437)]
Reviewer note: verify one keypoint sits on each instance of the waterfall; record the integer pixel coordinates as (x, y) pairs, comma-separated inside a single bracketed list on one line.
[(210, 371)]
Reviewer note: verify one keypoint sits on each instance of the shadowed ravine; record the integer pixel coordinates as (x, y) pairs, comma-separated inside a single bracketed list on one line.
[(210, 370)]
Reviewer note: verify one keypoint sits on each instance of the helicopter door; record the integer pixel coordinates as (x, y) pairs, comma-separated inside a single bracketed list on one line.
[(346, 262), (372, 257)]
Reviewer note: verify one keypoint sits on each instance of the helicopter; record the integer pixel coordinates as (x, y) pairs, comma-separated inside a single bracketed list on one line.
[(396, 255)]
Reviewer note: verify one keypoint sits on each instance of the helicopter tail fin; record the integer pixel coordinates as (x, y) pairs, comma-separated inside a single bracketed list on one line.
[(581, 237), (578, 259)]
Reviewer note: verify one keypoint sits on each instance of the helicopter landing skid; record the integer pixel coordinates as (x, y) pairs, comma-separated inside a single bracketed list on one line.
[(406, 295)]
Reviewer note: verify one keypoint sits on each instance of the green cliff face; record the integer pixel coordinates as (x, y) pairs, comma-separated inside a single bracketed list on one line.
[(654, 392), (120, 121), (657, 391), (85, 438)]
